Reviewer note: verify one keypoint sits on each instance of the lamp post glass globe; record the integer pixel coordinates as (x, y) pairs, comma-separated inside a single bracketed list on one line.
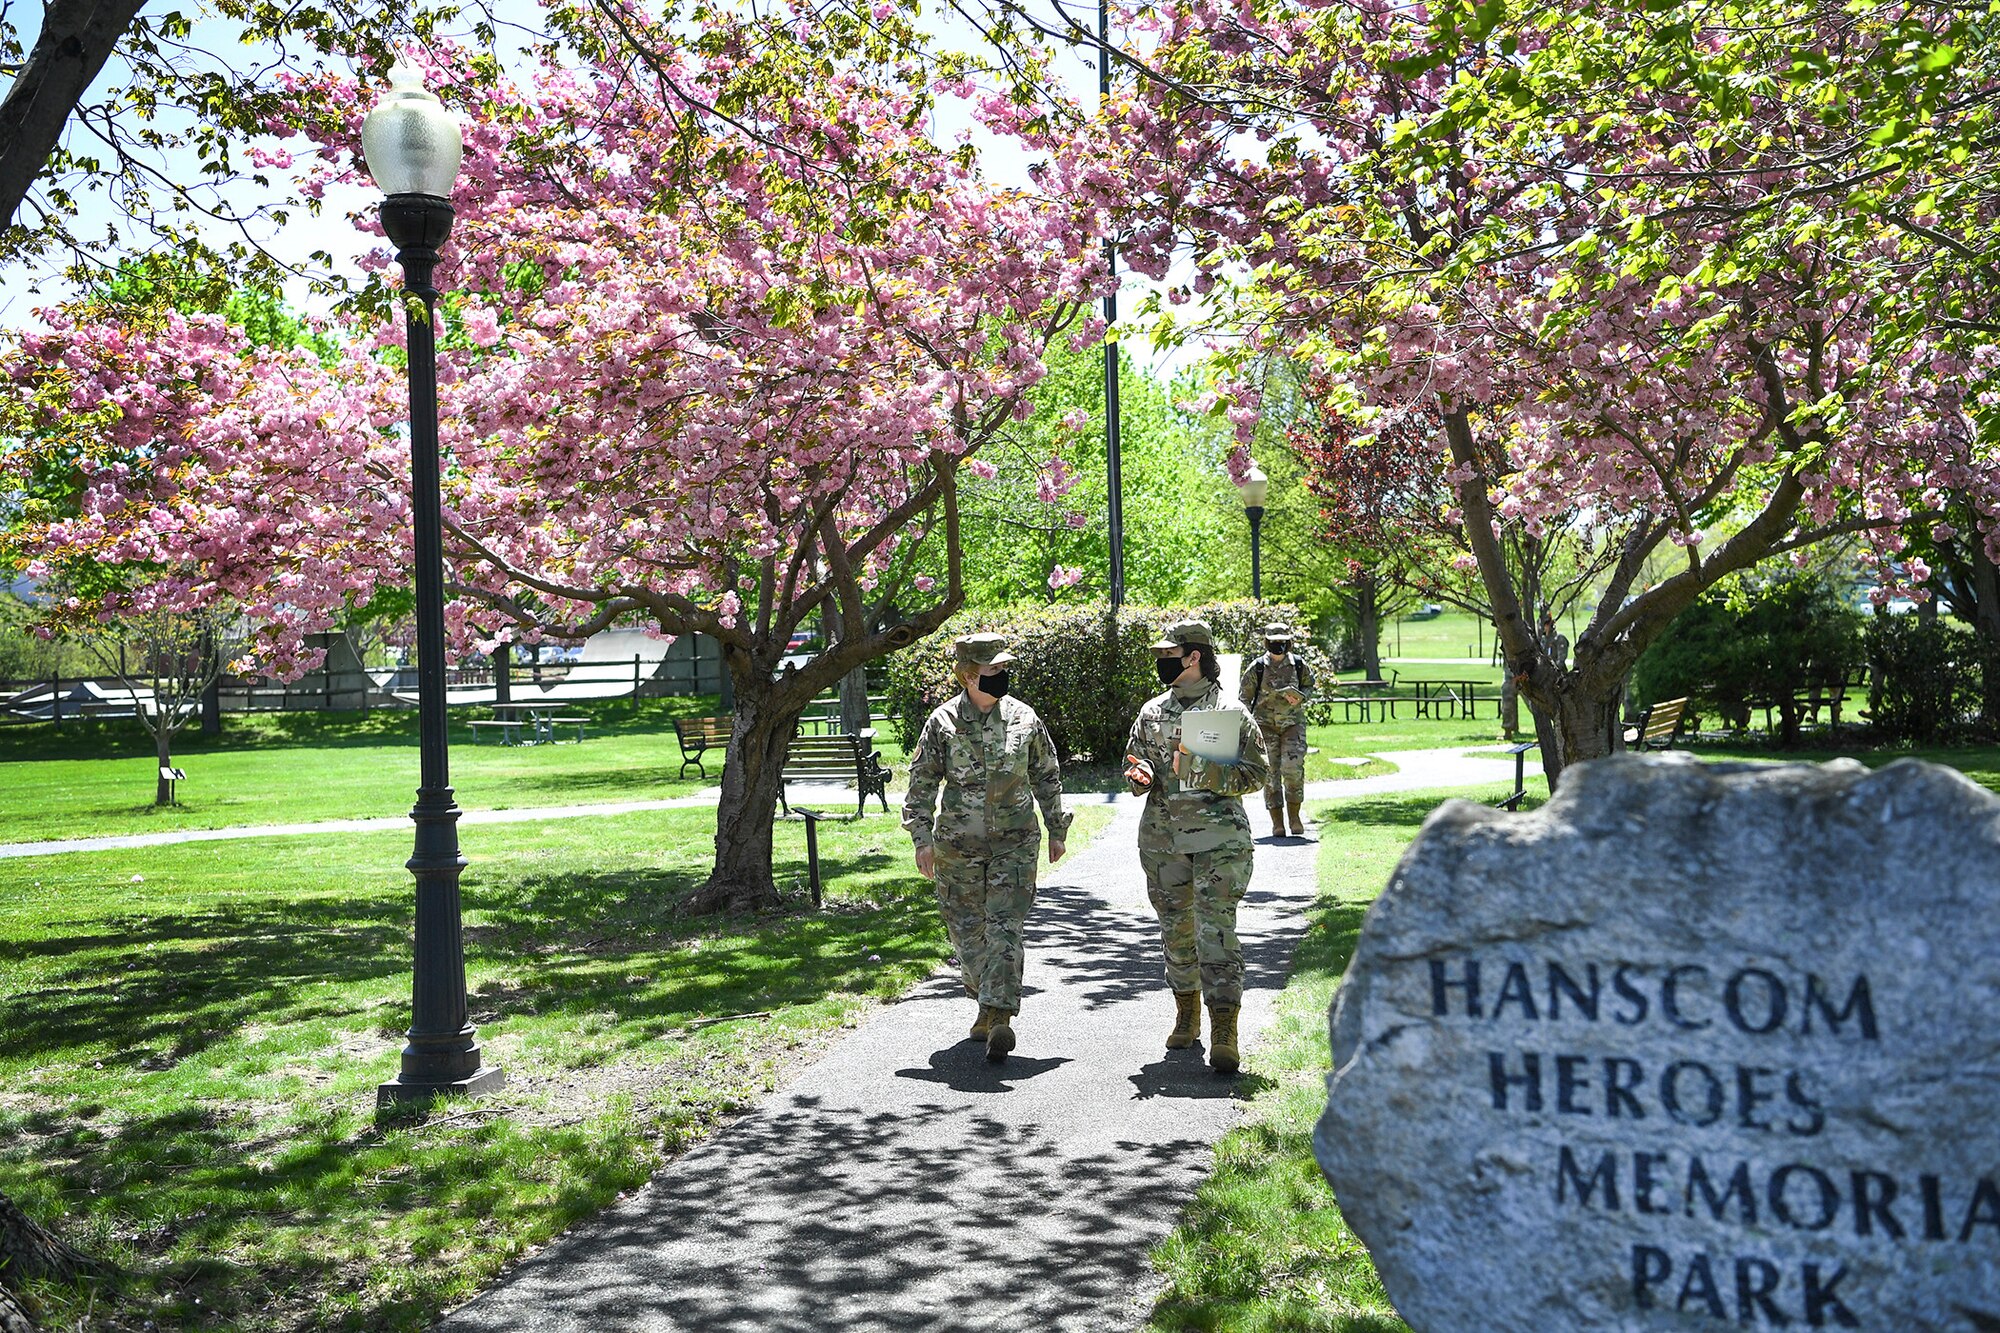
[(1255, 488), (413, 148), (410, 143)]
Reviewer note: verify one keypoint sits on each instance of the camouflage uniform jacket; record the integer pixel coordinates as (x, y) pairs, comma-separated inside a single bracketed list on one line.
[(1202, 812), (1263, 683), (994, 768)]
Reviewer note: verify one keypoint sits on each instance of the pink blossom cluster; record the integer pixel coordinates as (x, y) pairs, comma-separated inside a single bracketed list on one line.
[(668, 355)]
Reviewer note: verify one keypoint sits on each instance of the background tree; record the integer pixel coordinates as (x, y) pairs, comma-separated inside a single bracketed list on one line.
[(1033, 506), (731, 323), (1769, 641), (166, 652), (1957, 564), (1593, 365)]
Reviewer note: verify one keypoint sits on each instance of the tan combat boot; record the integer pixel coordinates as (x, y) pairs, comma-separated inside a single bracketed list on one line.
[(1298, 818), (983, 1024), (1277, 818), (1000, 1038), (1187, 1020), (1222, 1056)]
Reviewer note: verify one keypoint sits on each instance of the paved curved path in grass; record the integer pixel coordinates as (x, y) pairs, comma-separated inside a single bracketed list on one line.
[(1417, 770), (902, 1182)]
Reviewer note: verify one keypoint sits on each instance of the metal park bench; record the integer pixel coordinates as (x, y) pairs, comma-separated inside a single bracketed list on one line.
[(837, 758), (699, 735)]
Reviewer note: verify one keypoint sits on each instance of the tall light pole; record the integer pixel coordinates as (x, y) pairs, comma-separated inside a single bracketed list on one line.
[(413, 146), (1114, 482), (1254, 488)]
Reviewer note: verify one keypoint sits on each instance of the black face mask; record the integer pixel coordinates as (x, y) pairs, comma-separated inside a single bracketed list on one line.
[(1170, 668), (995, 684), (1277, 647)]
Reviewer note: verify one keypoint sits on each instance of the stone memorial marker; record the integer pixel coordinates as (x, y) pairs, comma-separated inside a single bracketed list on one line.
[(1691, 1046)]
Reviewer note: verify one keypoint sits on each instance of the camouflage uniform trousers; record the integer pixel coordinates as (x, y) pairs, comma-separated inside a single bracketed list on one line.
[(1195, 895), (985, 902), (1285, 753)]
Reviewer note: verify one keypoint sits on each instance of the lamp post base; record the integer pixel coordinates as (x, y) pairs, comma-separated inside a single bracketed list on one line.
[(397, 1091)]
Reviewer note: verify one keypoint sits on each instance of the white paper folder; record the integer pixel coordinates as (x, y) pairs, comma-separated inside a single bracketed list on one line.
[(1213, 733)]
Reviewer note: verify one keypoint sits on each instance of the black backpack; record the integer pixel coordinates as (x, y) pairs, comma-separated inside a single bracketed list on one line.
[(1257, 668)]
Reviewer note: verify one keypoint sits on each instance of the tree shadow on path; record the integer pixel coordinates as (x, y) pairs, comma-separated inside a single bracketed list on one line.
[(896, 1220)]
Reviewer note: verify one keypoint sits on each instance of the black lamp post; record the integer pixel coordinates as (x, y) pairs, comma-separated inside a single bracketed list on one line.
[(1114, 482), (413, 148), (1254, 488)]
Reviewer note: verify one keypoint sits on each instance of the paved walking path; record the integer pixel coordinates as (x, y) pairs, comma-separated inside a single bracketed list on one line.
[(902, 1182), (1418, 769)]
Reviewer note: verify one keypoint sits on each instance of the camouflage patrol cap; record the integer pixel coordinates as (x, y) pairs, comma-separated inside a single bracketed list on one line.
[(1279, 632), (984, 650), (1186, 634)]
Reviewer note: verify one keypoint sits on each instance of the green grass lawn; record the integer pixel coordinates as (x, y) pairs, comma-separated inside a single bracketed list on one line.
[(1263, 1247), (1981, 763), (1348, 739), (1455, 635), (94, 779), (191, 1038)]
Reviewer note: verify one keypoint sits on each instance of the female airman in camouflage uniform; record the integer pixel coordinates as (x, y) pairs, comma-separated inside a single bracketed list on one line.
[(995, 762), (1194, 840), (1267, 690)]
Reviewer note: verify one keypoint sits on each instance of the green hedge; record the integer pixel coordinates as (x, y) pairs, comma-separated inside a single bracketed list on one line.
[(1926, 678), (1084, 673)]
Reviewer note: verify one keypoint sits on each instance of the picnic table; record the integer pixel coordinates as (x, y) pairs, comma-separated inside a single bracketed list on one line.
[(538, 718), (1447, 698)]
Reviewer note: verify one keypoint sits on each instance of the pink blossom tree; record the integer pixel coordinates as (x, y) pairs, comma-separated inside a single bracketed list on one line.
[(1350, 184), (729, 321)]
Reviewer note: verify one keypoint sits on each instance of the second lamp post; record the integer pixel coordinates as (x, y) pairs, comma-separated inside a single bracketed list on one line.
[(1254, 487)]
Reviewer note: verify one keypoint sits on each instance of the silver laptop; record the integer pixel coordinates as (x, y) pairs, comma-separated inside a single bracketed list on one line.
[(1213, 733)]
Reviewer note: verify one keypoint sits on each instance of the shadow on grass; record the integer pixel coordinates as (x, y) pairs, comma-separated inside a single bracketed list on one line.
[(234, 1212), (161, 987), (209, 1216)]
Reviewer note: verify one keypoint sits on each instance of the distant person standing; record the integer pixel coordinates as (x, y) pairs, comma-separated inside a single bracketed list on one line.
[(1274, 688), (1553, 643), (1194, 839), (995, 762)]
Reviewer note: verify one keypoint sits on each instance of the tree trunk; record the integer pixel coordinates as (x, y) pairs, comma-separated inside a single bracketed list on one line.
[(503, 673), (163, 745), (1986, 624), (1584, 727), (211, 692), (1368, 617), (1788, 723), (755, 760), (28, 1251)]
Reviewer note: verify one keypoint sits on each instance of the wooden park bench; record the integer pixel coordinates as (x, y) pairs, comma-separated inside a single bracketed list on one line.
[(837, 758), (699, 735), (1658, 725), (509, 728)]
